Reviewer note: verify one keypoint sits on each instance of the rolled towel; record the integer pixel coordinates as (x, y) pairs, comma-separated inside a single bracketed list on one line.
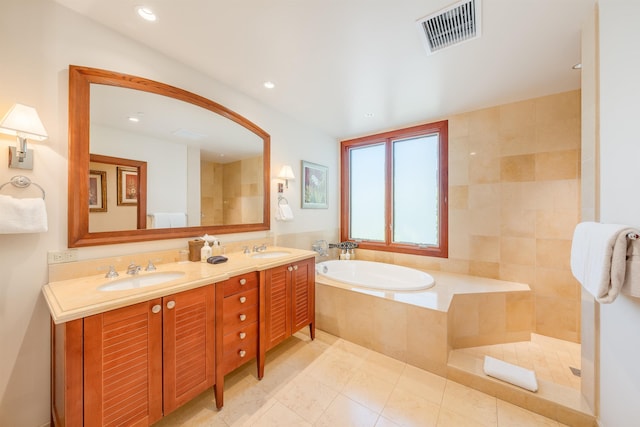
[(22, 215), (510, 373)]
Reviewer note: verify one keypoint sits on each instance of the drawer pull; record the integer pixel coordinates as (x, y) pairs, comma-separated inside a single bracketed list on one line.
[(289, 268), (242, 335), (242, 353), (243, 282), (171, 304), (156, 309), (243, 317), (243, 300)]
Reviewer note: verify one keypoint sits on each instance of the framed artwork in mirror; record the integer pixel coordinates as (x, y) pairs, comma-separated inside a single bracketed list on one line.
[(314, 186), (97, 191), (128, 188)]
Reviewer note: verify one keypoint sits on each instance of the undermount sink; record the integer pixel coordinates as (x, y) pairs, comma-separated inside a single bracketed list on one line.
[(142, 281), (270, 254)]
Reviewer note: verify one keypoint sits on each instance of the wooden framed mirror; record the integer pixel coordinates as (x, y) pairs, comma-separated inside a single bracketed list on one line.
[(202, 161)]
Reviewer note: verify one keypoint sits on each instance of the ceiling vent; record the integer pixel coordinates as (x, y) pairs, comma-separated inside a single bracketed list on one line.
[(453, 25)]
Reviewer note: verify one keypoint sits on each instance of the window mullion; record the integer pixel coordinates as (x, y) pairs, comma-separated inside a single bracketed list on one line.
[(388, 191)]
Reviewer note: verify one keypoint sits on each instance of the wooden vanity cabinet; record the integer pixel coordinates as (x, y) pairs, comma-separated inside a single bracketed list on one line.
[(132, 365), (289, 301), (237, 327)]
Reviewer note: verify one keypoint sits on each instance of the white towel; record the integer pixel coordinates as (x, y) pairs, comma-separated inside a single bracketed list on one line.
[(22, 215), (284, 213), (160, 220), (598, 258), (178, 219), (510, 373), (167, 220)]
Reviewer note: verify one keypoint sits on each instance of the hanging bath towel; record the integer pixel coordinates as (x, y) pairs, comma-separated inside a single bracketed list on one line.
[(22, 215)]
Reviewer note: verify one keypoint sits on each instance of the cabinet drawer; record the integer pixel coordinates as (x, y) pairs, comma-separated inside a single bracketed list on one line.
[(237, 355), (238, 319), (240, 282), (245, 336), (243, 300)]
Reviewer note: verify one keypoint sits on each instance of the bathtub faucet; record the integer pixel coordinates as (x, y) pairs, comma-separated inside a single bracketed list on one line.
[(320, 246), (344, 245)]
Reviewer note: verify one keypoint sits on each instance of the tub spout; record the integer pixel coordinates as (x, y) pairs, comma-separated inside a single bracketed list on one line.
[(320, 246)]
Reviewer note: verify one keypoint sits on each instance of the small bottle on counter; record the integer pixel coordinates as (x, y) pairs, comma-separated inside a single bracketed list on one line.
[(205, 252)]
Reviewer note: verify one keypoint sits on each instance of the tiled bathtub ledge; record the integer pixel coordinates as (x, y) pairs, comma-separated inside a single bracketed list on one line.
[(421, 327)]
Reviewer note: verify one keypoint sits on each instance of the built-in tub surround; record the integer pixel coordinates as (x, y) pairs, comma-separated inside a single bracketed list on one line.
[(420, 327)]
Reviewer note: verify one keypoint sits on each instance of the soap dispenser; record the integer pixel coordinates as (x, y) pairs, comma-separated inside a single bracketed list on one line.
[(205, 252)]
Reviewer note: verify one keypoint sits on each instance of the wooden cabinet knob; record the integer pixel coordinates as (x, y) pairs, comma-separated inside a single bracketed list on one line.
[(243, 300), (242, 335), (243, 317), (242, 353), (171, 304), (243, 282), (156, 309)]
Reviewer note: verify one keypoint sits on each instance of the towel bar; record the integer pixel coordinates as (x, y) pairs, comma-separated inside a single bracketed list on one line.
[(21, 181)]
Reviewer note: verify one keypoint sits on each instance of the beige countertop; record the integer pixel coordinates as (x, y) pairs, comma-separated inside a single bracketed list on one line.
[(80, 297)]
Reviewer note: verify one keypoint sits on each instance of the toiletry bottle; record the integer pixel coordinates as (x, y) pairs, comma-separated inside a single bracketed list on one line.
[(205, 252)]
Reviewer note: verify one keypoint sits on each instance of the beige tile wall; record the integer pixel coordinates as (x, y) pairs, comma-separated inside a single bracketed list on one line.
[(514, 188)]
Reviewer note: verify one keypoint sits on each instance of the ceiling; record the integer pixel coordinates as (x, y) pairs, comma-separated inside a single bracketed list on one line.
[(353, 67)]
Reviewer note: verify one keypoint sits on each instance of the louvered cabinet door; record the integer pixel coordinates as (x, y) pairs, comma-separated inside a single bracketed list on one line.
[(277, 306), (303, 296), (189, 345), (123, 366)]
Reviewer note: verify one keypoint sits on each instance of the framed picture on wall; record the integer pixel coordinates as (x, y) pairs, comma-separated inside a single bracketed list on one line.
[(127, 186), (314, 186), (97, 191)]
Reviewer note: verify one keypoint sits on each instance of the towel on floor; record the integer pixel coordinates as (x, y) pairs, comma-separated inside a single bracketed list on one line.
[(22, 215), (599, 258), (510, 373)]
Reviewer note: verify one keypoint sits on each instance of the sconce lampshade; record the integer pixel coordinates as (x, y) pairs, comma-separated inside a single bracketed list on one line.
[(286, 173), (23, 121)]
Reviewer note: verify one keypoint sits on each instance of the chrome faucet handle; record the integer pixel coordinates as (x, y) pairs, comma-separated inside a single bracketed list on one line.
[(245, 250), (262, 247), (111, 273), (150, 266), (133, 269)]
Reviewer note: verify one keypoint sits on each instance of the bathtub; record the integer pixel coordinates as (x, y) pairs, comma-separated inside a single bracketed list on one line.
[(376, 275)]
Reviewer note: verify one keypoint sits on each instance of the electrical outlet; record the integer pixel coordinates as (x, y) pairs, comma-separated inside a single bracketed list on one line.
[(57, 257)]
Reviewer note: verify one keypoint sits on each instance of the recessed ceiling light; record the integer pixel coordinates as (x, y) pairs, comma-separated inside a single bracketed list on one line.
[(269, 85), (133, 119), (146, 13)]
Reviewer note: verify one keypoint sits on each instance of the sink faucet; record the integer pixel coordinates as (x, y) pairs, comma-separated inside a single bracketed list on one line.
[(262, 247), (133, 269)]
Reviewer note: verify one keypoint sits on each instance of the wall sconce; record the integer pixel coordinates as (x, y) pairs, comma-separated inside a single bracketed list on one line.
[(285, 173), (22, 122)]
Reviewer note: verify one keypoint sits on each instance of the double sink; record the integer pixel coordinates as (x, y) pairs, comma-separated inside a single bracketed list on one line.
[(151, 279)]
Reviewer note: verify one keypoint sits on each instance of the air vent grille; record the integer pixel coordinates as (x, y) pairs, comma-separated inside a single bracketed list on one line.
[(455, 24)]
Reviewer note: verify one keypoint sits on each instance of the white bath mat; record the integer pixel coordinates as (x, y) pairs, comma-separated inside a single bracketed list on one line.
[(510, 373)]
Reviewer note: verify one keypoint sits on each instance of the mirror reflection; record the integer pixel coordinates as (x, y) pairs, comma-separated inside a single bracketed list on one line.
[(202, 169), (150, 161)]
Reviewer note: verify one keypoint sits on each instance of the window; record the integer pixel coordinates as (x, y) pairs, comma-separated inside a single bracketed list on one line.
[(394, 190)]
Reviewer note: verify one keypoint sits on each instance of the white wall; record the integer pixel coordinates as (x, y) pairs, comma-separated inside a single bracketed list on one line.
[(619, 202), (39, 41)]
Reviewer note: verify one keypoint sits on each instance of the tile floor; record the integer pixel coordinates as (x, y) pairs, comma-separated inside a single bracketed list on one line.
[(332, 382), (550, 358)]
